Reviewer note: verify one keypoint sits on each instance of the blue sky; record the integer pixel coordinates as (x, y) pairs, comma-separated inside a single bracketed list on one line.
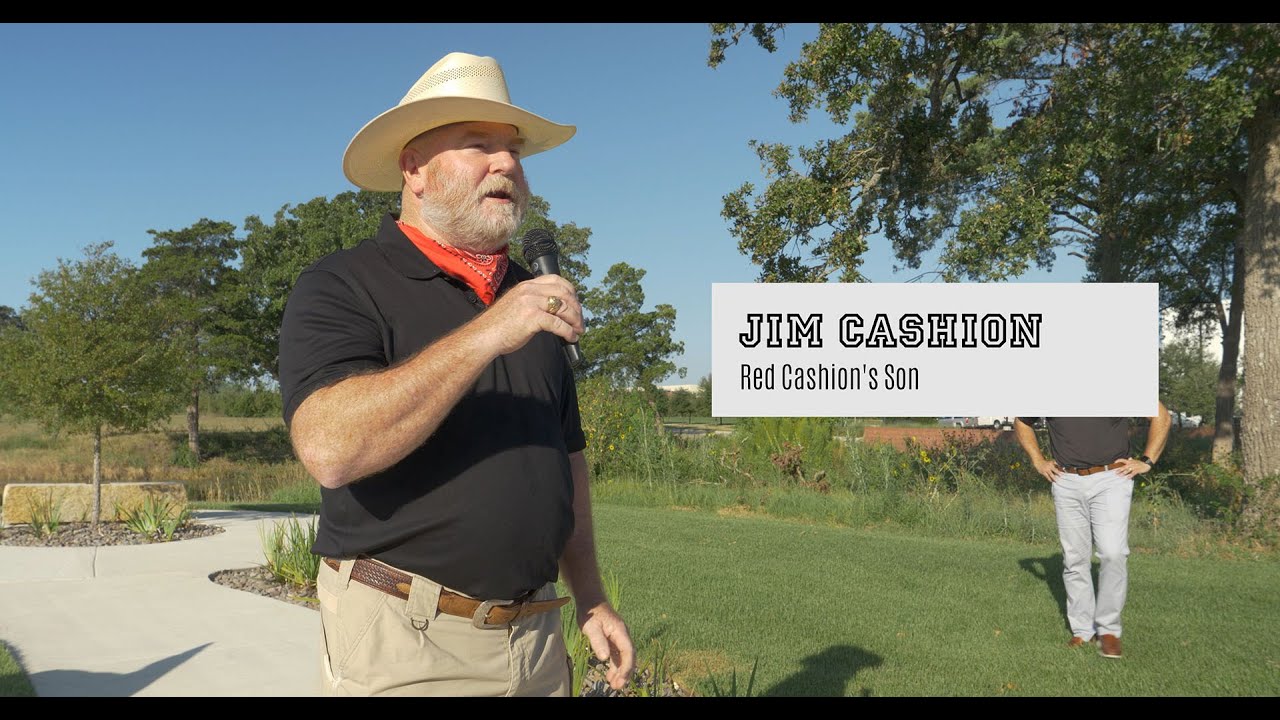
[(110, 130)]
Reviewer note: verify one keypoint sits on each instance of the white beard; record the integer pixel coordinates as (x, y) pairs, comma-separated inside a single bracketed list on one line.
[(463, 216)]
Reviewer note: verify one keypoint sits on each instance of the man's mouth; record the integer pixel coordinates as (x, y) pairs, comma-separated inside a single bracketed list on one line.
[(499, 195)]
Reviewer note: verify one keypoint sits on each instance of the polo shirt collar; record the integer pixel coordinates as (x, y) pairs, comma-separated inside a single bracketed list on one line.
[(403, 255)]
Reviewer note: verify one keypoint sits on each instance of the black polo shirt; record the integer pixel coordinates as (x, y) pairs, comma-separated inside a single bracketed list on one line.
[(485, 505), (1087, 441)]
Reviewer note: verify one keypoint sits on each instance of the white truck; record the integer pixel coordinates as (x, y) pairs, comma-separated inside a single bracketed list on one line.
[(993, 422)]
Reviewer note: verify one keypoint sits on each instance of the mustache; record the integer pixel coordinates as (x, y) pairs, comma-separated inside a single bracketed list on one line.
[(500, 183)]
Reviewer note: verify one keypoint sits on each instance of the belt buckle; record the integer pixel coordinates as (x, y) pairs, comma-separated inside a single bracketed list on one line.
[(482, 612)]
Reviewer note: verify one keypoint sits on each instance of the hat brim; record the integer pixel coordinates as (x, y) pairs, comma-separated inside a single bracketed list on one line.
[(372, 159)]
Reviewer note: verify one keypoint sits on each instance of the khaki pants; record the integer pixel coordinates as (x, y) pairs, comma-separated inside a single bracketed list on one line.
[(378, 644)]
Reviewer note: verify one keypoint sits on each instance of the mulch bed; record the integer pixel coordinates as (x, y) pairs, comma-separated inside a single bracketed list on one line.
[(80, 534), (259, 580)]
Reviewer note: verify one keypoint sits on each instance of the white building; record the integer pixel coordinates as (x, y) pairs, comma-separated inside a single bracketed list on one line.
[(676, 388)]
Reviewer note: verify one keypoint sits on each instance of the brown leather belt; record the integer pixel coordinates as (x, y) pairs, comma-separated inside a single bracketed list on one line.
[(484, 614), (1091, 470)]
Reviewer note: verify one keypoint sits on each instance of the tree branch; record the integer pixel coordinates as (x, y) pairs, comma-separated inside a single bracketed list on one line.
[(1068, 229), (1072, 217), (1077, 199)]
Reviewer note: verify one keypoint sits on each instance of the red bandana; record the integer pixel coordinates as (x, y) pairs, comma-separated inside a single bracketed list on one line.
[(482, 273)]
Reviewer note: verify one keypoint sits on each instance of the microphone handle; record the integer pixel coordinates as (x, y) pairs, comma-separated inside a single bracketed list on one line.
[(549, 264), (572, 352)]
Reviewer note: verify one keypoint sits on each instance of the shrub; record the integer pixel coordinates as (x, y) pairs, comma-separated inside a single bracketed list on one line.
[(287, 546), (958, 462), (791, 449), (156, 518), (46, 515), (235, 401), (624, 433)]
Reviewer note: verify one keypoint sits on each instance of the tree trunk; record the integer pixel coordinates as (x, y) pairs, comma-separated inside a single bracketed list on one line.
[(1106, 257), (1260, 429), (97, 479), (1225, 406), (193, 425)]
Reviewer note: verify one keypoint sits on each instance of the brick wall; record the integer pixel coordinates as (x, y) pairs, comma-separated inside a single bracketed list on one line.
[(934, 437)]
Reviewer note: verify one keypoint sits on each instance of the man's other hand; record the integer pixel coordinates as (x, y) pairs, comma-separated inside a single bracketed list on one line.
[(610, 642), (1049, 470), (1130, 467)]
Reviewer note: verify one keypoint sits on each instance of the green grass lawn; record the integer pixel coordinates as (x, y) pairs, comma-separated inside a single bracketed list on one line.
[(13, 681), (838, 611)]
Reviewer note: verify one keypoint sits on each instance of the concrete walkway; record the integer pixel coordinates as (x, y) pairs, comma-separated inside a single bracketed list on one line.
[(146, 620)]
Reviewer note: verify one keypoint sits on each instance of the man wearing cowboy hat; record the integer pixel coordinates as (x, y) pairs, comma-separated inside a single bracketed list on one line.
[(426, 390)]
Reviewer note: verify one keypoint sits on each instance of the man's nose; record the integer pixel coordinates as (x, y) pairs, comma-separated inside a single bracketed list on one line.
[(504, 162)]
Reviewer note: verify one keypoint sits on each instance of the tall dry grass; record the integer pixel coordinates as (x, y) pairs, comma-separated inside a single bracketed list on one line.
[(244, 459)]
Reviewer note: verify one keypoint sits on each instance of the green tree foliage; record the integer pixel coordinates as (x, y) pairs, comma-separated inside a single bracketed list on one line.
[(704, 396), (624, 344), (686, 403), (10, 317), (916, 100), (93, 356), (1187, 378), (678, 402), (1151, 128), (245, 400), (196, 293)]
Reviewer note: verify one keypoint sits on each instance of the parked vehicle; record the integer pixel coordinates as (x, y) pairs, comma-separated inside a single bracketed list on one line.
[(993, 422), (1183, 420), (952, 422)]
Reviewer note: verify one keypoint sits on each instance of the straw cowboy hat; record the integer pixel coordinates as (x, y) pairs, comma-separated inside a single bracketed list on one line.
[(460, 87)]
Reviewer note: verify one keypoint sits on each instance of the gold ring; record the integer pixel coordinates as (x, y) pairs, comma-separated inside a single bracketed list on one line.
[(554, 304)]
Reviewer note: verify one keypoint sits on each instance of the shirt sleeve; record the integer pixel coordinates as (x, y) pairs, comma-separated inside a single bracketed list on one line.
[(570, 419), (329, 332)]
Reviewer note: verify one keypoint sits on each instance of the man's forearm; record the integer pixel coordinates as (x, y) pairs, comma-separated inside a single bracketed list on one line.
[(578, 564), (1158, 433), (1027, 439), (366, 423)]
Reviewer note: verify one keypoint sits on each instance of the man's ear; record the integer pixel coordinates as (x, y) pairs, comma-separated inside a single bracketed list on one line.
[(413, 166)]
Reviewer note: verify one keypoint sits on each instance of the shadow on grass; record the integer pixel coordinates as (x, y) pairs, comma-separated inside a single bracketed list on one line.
[(1049, 569), (655, 633), (264, 446), (827, 673)]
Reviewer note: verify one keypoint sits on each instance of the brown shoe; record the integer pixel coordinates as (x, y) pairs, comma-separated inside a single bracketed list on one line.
[(1109, 646), (1077, 641)]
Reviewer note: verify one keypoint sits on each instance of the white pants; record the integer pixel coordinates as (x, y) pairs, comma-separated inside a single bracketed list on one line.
[(1093, 512)]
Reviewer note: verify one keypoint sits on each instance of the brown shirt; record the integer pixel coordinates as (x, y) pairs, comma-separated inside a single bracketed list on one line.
[(1088, 441)]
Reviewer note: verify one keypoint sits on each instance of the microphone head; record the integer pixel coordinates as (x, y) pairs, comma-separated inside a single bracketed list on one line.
[(536, 243)]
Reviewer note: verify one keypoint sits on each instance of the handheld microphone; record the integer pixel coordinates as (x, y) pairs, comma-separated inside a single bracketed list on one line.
[(543, 256)]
